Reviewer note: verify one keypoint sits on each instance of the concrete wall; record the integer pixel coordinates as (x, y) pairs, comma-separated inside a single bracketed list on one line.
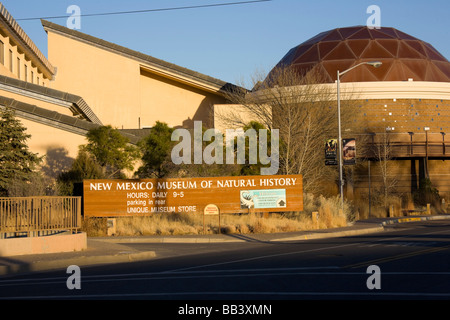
[(39, 245)]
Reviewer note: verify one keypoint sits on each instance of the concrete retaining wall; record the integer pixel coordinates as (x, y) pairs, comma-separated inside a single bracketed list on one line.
[(47, 244)]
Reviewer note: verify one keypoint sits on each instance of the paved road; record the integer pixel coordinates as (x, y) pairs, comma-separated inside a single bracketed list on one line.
[(413, 261)]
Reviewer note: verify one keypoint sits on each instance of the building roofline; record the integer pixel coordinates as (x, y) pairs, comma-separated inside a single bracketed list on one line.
[(76, 103), (159, 66), (19, 35), (55, 119)]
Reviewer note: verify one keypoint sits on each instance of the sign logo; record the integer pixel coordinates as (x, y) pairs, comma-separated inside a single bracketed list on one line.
[(258, 199)]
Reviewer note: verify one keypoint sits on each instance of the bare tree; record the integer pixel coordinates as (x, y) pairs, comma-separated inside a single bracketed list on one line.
[(382, 149), (304, 109)]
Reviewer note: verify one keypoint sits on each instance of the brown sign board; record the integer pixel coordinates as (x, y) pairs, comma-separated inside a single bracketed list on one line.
[(241, 194)]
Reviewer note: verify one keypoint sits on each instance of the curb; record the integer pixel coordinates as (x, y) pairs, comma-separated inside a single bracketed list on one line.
[(365, 227), (344, 233), (15, 268), (307, 235), (414, 219)]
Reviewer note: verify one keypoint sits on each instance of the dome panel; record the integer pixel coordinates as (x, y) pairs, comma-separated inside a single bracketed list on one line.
[(389, 31), (358, 46), (326, 47), (405, 36), (347, 32), (302, 49), (435, 73), (418, 67), (303, 68), (361, 34), (333, 36), (390, 45), (380, 35), (364, 73), (309, 56), (395, 73), (443, 67), (433, 54), (375, 51), (405, 51), (341, 51), (333, 66), (417, 45), (382, 72)]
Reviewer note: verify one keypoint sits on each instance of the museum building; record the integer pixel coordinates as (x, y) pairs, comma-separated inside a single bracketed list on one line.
[(87, 82), (406, 98)]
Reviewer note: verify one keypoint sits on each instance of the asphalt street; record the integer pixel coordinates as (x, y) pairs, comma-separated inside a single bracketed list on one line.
[(405, 261)]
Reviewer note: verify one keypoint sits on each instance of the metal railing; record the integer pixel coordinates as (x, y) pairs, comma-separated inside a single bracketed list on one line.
[(404, 145), (34, 215)]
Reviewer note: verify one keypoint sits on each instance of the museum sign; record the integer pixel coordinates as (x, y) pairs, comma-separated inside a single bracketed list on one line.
[(241, 194)]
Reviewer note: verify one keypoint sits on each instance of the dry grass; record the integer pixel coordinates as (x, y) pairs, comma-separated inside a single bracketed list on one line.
[(192, 224)]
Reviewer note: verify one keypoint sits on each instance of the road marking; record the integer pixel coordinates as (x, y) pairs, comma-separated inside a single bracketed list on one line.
[(396, 257), (261, 257), (297, 252)]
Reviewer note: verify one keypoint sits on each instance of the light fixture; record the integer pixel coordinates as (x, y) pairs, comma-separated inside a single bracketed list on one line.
[(375, 64)]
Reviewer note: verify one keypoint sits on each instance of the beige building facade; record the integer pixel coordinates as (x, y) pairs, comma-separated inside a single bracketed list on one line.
[(128, 89), (87, 82)]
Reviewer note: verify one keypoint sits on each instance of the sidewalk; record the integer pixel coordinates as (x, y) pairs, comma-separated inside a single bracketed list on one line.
[(104, 250)]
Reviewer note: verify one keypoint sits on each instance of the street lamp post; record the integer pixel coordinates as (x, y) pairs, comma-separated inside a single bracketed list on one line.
[(375, 64), (426, 129)]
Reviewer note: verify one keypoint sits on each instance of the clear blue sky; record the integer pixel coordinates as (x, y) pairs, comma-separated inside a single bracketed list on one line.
[(232, 42)]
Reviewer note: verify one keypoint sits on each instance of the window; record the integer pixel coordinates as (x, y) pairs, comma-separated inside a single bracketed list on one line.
[(32, 77), (2, 53), (26, 73), (10, 60), (18, 67)]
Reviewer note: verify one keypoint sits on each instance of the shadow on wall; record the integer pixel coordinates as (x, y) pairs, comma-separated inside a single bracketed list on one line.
[(56, 161), (205, 111), (204, 114)]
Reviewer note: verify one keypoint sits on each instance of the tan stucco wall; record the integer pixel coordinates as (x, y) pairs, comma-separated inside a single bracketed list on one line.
[(118, 90), (177, 104), (33, 74), (232, 116), (45, 139)]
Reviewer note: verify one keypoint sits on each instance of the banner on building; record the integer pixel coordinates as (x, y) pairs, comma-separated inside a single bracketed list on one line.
[(331, 152), (243, 194), (349, 151)]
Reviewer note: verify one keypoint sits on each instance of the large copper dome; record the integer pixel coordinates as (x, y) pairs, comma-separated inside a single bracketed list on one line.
[(403, 56)]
